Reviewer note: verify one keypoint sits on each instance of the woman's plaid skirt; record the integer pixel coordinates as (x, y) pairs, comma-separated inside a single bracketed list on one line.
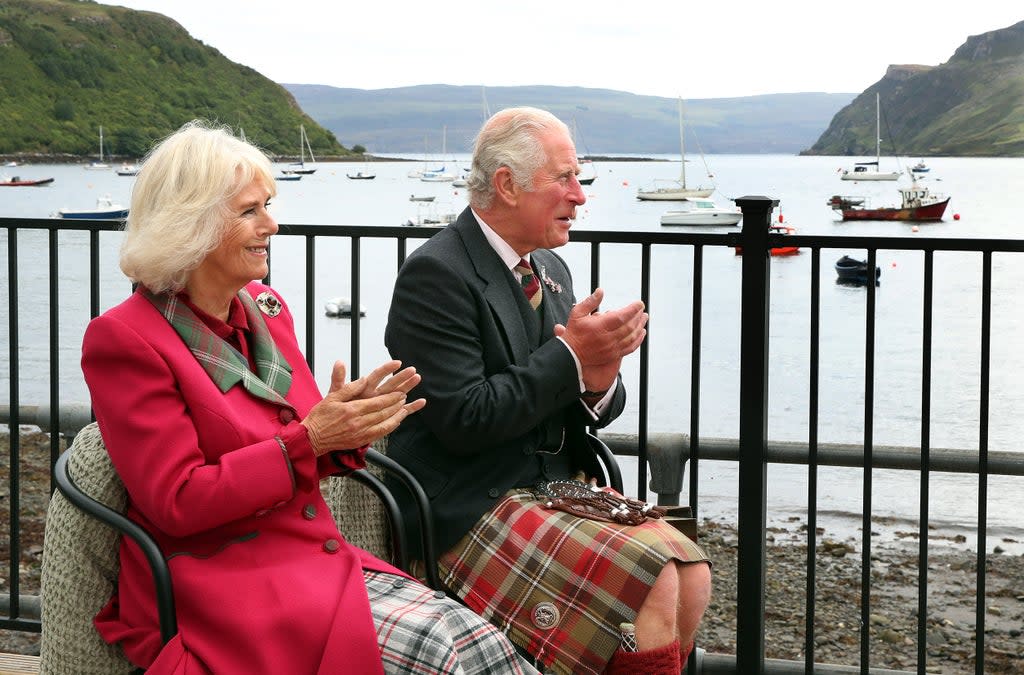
[(559, 585), (424, 632)]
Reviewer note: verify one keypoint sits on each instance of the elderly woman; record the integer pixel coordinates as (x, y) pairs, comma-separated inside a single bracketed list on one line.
[(216, 426)]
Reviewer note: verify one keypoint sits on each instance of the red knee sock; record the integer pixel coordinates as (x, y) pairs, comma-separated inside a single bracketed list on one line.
[(661, 661)]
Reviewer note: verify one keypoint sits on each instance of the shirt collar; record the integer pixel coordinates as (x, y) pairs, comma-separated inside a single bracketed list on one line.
[(236, 317), (500, 246)]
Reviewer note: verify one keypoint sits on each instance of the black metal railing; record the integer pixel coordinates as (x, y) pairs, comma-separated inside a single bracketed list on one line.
[(752, 451)]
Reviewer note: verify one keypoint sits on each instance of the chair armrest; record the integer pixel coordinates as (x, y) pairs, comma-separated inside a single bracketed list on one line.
[(158, 565), (426, 521), (399, 543), (608, 461)]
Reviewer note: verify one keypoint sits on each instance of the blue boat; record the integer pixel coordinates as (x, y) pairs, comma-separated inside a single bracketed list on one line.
[(854, 272), (105, 209)]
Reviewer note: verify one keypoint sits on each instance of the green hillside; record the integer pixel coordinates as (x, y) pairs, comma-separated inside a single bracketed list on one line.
[(972, 105), (69, 67)]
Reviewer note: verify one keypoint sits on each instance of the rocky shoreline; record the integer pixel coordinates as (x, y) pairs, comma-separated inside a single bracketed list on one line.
[(894, 581)]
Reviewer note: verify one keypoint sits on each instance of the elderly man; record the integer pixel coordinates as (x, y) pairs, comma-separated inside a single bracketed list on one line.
[(513, 373)]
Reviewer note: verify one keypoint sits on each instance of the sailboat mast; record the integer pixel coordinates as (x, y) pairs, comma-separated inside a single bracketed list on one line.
[(101, 143), (682, 147), (878, 132), (308, 146)]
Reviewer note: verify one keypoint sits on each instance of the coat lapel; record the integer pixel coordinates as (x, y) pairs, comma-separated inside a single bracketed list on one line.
[(557, 303), (500, 285), (222, 362)]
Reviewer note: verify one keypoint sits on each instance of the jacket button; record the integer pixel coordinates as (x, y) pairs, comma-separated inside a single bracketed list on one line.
[(332, 545), (286, 415), (309, 512), (493, 493)]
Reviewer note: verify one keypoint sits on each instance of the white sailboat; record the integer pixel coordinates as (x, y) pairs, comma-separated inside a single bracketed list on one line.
[(588, 172), (863, 170), (676, 190), (98, 164), (440, 175), (300, 166)]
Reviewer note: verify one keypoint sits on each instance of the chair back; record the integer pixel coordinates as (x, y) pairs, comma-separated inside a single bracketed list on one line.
[(80, 567), (360, 515)]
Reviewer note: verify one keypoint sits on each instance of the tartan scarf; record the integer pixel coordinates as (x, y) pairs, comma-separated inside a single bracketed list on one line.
[(223, 363)]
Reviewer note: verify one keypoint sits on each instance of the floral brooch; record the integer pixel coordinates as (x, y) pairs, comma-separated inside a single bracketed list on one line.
[(552, 285)]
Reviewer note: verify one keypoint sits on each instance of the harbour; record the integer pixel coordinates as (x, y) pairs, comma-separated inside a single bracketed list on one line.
[(801, 184)]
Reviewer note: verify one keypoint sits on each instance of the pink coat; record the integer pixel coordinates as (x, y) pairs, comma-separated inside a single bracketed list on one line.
[(263, 580)]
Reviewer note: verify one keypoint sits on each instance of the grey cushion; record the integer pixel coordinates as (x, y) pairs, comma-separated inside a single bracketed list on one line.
[(80, 566), (360, 515)]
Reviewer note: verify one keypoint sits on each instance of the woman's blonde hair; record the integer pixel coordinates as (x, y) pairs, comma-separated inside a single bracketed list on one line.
[(179, 205)]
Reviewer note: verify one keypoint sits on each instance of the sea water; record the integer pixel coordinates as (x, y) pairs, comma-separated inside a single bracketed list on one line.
[(978, 208)]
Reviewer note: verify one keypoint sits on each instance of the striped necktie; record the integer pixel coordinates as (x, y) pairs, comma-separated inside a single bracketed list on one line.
[(528, 280)]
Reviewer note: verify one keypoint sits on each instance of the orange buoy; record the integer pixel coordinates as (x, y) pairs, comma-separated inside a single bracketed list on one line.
[(625, 182), (956, 216), (780, 217)]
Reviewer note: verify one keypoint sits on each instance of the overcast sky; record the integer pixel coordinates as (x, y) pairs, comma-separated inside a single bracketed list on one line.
[(709, 49)]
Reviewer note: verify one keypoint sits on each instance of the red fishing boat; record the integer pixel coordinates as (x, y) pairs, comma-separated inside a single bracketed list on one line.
[(22, 182), (918, 204)]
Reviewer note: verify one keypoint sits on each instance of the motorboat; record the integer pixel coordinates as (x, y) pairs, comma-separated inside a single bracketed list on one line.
[(423, 198), (430, 213), (917, 203), (105, 209), (702, 212), (288, 176), (341, 307), (17, 181), (127, 170), (920, 167), (855, 272), (359, 175), (777, 250)]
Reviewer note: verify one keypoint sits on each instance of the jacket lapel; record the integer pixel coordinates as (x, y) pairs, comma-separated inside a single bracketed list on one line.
[(500, 285), (222, 362)]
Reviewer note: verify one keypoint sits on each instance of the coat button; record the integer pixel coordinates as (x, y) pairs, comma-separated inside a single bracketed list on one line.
[(309, 511), (494, 493), (286, 415), (399, 582), (332, 545)]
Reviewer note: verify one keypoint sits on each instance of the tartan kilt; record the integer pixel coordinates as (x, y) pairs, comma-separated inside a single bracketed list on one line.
[(557, 584), (423, 632)]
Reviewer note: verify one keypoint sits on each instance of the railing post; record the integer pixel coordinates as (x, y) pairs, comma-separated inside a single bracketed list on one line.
[(753, 435)]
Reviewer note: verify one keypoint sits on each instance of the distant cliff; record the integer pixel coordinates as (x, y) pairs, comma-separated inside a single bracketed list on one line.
[(67, 68), (413, 119), (972, 105)]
